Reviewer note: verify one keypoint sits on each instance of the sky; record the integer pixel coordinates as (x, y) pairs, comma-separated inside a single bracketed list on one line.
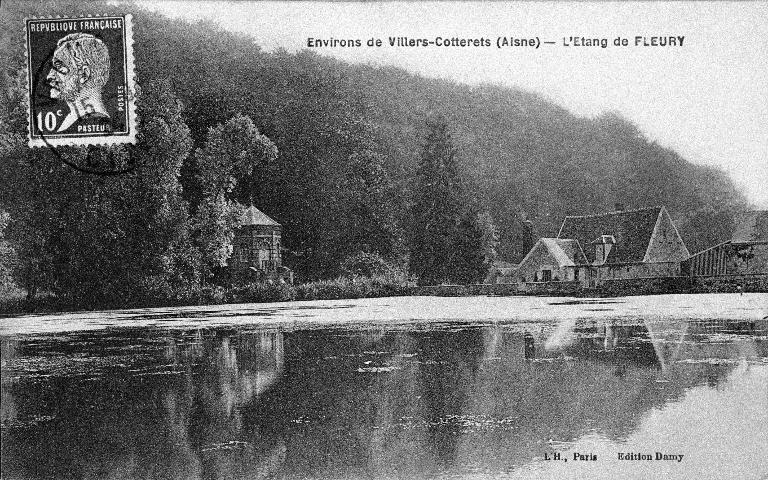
[(708, 99)]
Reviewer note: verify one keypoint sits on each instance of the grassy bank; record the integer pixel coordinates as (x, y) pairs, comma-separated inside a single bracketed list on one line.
[(340, 288), (16, 302)]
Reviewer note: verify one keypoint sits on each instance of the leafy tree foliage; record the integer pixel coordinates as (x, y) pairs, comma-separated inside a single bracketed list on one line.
[(364, 264), (436, 205), (367, 194), (105, 240), (466, 262), (350, 143), (364, 218), (231, 169), (7, 256), (489, 239), (213, 229), (521, 156), (234, 160), (447, 240)]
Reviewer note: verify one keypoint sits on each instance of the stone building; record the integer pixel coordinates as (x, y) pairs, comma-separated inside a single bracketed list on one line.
[(589, 249), (256, 249), (552, 260)]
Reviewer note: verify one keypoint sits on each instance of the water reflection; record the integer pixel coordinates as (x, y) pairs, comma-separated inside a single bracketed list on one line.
[(424, 402)]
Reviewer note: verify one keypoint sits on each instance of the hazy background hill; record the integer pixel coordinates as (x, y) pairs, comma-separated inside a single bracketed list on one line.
[(522, 156)]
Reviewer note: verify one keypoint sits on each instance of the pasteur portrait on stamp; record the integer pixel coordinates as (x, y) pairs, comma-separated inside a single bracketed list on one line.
[(81, 81)]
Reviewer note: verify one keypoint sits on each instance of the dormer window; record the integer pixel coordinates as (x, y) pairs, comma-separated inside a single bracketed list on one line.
[(603, 246)]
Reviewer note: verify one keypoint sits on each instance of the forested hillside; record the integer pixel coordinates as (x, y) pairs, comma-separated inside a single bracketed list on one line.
[(348, 140), (523, 156)]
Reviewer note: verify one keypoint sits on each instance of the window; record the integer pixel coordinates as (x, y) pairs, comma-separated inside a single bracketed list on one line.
[(575, 274), (546, 275)]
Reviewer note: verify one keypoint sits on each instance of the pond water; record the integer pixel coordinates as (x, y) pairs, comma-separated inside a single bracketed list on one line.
[(439, 398)]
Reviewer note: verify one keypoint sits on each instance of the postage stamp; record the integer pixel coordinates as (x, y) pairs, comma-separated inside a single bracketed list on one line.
[(81, 85)]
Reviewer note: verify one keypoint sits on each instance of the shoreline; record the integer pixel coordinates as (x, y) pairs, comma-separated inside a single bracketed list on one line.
[(365, 287), (404, 310)]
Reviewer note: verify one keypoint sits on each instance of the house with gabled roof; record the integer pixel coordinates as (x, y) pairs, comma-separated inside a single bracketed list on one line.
[(623, 244), (552, 259)]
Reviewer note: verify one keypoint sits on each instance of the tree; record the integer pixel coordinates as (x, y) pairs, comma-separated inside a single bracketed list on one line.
[(368, 193), (129, 234), (323, 139), (367, 265), (214, 229), (28, 190), (364, 213), (437, 209), (467, 259), (7, 256), (106, 240), (232, 169), (530, 158), (234, 160), (490, 239)]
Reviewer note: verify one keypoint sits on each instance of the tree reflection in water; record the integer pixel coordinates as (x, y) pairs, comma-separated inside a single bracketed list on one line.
[(421, 401)]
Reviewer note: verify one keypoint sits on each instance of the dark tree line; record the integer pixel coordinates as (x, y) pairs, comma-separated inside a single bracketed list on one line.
[(342, 156)]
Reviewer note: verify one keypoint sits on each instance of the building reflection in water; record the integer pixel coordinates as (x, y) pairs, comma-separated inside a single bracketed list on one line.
[(231, 371), (417, 402), (139, 406)]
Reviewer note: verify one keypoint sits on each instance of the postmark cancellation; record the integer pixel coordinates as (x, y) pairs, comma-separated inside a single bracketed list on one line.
[(81, 85)]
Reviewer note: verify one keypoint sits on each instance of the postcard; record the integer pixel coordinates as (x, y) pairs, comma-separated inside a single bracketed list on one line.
[(346, 240)]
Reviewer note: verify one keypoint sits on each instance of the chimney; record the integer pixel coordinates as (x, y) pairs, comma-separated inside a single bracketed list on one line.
[(527, 241), (619, 207)]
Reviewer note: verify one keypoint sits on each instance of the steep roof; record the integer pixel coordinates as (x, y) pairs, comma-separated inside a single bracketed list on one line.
[(632, 230), (567, 252), (254, 216), (751, 227)]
